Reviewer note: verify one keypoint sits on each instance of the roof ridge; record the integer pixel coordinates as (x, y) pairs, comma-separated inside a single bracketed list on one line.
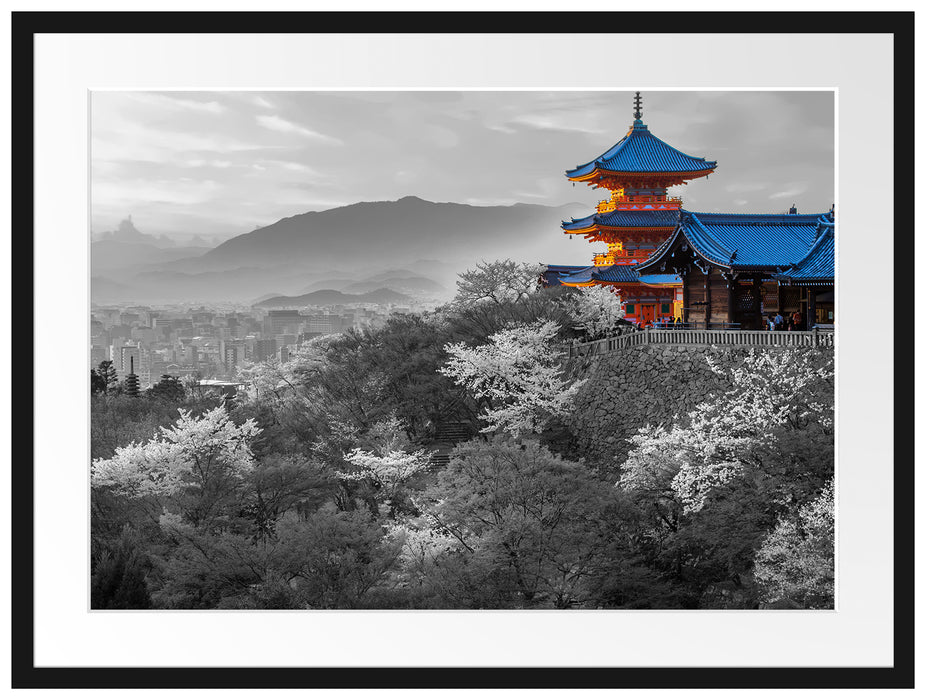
[(704, 232)]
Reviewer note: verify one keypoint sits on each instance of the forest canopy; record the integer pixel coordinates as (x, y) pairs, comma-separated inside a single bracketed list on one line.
[(320, 484)]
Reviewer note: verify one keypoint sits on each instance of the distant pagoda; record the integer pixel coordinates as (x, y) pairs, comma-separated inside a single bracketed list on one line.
[(131, 379), (636, 219)]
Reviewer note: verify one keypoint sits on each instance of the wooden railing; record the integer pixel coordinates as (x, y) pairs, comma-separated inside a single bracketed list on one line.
[(735, 338)]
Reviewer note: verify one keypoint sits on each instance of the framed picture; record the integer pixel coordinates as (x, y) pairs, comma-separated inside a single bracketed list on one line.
[(206, 204)]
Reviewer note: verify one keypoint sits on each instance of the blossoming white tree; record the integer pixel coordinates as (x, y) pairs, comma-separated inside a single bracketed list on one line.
[(519, 376), (796, 560), (715, 485), (390, 463), (779, 402), (276, 383), (389, 469), (596, 309), (497, 282), (199, 454)]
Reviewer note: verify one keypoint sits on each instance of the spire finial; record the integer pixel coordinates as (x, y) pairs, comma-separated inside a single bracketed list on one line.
[(637, 105)]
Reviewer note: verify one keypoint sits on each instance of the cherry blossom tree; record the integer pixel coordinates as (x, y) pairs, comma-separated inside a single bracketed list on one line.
[(596, 309), (797, 559), (389, 464), (388, 470), (201, 457), (712, 486), (518, 375), (497, 282)]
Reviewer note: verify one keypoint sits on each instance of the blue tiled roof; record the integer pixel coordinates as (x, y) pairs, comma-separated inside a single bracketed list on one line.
[(666, 218), (660, 279), (746, 241), (641, 152), (617, 274), (819, 265), (580, 276), (553, 273)]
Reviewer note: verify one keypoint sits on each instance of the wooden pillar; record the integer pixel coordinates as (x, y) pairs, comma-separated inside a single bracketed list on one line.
[(685, 296), (731, 299), (707, 299), (811, 308), (757, 300)]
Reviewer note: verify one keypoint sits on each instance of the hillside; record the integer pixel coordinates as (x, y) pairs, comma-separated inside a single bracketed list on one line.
[(410, 246), (329, 297), (391, 234)]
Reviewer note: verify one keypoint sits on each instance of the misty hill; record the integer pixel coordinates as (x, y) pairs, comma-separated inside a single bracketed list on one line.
[(329, 297), (337, 284), (391, 243), (126, 232), (114, 254), (264, 297), (415, 286), (390, 234)]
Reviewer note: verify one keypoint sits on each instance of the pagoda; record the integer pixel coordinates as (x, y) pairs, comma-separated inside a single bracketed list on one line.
[(636, 219)]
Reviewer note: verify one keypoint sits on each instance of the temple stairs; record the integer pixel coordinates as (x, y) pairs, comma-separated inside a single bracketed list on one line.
[(446, 437)]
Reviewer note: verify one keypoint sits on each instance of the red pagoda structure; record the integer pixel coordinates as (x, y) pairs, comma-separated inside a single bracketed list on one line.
[(635, 220)]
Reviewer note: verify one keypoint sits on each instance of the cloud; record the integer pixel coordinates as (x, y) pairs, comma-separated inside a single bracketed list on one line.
[(275, 123), (116, 137), (746, 187), (792, 191), (170, 102), (203, 163), (185, 191), (291, 165), (545, 122), (262, 102)]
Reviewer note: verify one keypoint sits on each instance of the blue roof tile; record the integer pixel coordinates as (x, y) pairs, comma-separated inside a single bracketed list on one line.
[(747, 241), (617, 274), (553, 273), (641, 152), (580, 276), (819, 265), (659, 218), (660, 279)]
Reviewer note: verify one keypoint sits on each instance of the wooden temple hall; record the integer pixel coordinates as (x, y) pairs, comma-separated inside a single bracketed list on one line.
[(707, 270)]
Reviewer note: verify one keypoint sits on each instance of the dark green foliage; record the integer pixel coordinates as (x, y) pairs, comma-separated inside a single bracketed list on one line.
[(168, 389), (118, 577), (104, 378), (532, 530), (116, 420), (708, 514), (330, 559)]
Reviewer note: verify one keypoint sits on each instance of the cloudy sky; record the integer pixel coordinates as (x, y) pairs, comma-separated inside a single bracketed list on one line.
[(217, 164)]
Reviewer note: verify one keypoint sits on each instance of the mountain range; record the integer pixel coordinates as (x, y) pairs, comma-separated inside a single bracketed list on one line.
[(410, 246), (330, 297)]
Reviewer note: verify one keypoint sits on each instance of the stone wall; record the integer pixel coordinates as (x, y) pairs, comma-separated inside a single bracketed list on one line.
[(647, 384)]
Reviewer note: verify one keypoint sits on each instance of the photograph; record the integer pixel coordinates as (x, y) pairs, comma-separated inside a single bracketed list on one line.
[(445, 350), (462, 349)]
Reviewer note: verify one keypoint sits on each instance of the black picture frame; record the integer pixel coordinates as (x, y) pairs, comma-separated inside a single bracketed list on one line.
[(25, 674)]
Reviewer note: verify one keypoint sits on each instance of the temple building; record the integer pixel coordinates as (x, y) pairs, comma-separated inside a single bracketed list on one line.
[(708, 270), (738, 268)]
